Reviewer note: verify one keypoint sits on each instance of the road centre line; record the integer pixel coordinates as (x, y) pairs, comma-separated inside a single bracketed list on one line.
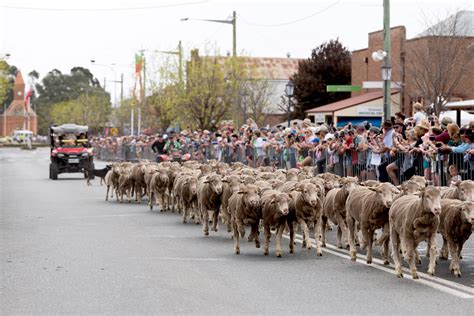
[(104, 216), (181, 259), (439, 284)]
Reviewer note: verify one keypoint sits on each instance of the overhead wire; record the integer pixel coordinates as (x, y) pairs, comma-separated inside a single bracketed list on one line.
[(13, 7), (293, 21)]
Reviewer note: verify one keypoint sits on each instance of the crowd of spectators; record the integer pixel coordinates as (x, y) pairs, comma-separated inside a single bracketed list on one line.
[(402, 147)]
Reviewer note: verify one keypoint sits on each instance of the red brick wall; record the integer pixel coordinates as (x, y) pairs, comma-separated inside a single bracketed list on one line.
[(365, 69), (15, 123)]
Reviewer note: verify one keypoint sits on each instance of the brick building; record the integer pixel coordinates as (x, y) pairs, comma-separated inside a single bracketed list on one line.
[(16, 116), (403, 57)]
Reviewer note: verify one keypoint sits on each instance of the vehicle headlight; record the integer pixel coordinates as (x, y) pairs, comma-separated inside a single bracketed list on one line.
[(60, 155), (85, 154)]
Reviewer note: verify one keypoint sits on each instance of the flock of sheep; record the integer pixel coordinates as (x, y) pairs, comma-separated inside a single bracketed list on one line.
[(284, 199)]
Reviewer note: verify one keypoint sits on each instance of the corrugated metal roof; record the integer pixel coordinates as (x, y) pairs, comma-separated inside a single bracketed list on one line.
[(459, 24), (339, 105), (270, 68)]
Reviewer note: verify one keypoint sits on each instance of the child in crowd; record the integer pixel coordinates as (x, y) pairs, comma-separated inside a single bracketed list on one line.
[(455, 177)]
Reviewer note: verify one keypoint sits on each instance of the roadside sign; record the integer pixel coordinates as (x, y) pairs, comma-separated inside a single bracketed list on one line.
[(379, 84), (342, 88)]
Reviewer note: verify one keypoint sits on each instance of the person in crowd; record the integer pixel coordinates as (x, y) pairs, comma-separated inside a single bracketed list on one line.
[(454, 175), (419, 114), (361, 146), (158, 147), (386, 150)]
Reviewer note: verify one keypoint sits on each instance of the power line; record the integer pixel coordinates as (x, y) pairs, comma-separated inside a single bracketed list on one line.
[(103, 9), (293, 21)]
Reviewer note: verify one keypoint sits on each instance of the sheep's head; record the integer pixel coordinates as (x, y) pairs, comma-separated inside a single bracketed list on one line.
[(191, 182), (349, 183), (163, 174), (431, 198), (281, 201), (466, 190), (420, 180), (410, 187), (467, 209), (215, 183), (386, 192), (250, 195), (309, 193)]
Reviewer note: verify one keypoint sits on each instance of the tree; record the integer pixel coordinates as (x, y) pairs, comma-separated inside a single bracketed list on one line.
[(58, 88), (7, 79), (438, 61), (330, 63), (91, 110), (210, 92), (254, 96)]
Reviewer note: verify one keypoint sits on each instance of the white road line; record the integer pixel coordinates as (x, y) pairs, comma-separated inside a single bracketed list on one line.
[(439, 284), (181, 259), (100, 216)]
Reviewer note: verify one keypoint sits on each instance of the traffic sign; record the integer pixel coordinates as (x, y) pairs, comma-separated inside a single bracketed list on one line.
[(342, 88), (379, 84)]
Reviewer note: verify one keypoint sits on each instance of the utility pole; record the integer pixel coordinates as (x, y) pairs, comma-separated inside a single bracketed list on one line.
[(387, 66), (234, 34), (180, 63), (143, 101)]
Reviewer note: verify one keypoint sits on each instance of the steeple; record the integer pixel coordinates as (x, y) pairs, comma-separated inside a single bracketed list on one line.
[(19, 87)]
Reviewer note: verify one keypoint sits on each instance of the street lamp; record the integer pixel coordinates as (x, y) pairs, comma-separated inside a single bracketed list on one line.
[(115, 80), (290, 86), (233, 21)]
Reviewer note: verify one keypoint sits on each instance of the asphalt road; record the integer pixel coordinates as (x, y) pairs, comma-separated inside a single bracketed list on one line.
[(63, 249)]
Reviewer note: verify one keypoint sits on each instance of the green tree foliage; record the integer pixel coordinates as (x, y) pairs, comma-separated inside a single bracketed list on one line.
[(91, 110), (7, 78), (329, 64), (212, 89), (58, 88)]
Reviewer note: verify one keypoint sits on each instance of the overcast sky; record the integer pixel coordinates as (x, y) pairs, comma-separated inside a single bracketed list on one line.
[(45, 34)]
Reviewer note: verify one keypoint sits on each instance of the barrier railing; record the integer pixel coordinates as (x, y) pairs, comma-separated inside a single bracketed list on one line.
[(364, 165)]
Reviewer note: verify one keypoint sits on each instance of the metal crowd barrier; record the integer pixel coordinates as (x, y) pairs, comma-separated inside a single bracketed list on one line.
[(363, 165)]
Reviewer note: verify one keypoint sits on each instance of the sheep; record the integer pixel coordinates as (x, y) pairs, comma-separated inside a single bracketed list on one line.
[(230, 185), (276, 214), (455, 225), (209, 199), (410, 187), (138, 180), (111, 180), (244, 207), (414, 219), (369, 207), (158, 186), (125, 183), (464, 191), (308, 209), (188, 194), (292, 174), (370, 183), (172, 172), (334, 208)]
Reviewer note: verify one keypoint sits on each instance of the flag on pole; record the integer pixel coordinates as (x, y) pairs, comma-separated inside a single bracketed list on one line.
[(28, 96), (139, 61)]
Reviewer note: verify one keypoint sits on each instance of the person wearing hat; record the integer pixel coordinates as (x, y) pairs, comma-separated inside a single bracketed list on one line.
[(360, 146), (307, 123), (387, 142), (467, 138)]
